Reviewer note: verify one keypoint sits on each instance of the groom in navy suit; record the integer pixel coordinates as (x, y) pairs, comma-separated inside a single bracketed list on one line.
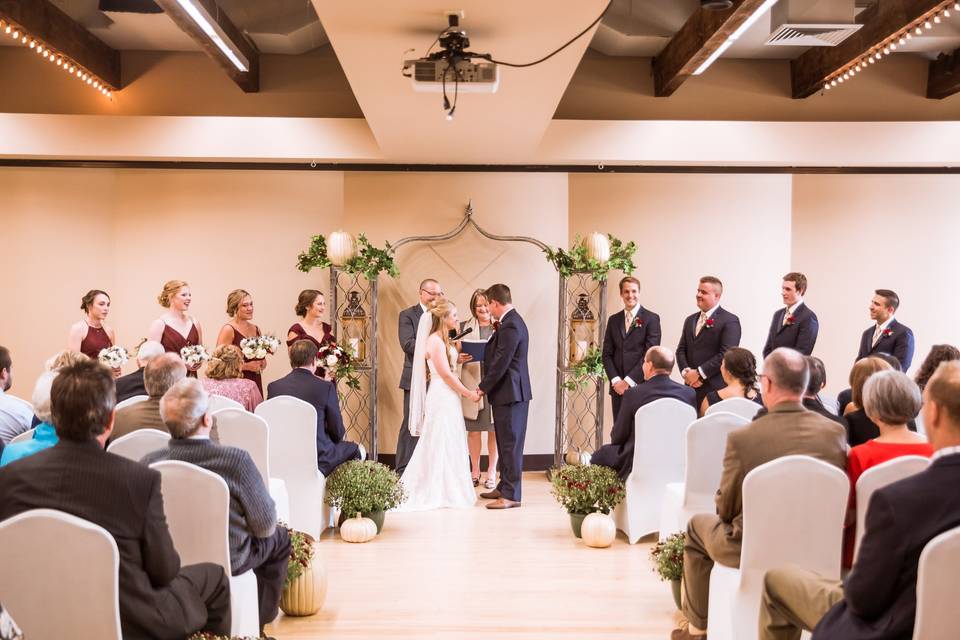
[(795, 325), (706, 336), (888, 335), (506, 383)]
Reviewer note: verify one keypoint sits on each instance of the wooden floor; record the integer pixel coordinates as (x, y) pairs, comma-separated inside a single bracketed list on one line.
[(476, 573)]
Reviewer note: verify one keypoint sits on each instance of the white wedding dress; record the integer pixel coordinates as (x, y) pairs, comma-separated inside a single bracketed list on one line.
[(438, 474)]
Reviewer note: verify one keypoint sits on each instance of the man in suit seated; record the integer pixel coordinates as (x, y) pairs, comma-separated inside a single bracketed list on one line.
[(158, 597), (301, 383), (878, 598), (132, 384), (811, 400), (657, 365), (161, 373), (795, 326), (630, 334), (256, 542), (788, 429), (706, 336)]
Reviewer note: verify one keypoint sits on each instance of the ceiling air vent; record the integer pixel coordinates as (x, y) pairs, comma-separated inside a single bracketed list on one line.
[(811, 35)]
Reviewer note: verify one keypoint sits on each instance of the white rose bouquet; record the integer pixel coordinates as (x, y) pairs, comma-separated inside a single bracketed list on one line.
[(114, 357), (194, 355), (259, 347), (332, 356)]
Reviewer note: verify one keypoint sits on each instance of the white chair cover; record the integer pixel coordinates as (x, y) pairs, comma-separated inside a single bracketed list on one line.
[(938, 616), (139, 443), (880, 476), (739, 406), (197, 506), (242, 429), (222, 402), (293, 458), (793, 512), (20, 437), (660, 433), (60, 576), (706, 441), (131, 400)]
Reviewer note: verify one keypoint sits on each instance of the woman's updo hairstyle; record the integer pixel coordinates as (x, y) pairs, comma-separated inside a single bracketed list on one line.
[(440, 309), (87, 301), (170, 289), (225, 363), (234, 298), (306, 299), (742, 366)]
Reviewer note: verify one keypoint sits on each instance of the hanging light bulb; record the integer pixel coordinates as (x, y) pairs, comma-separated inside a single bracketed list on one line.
[(893, 46), (927, 25), (833, 82), (936, 19), (909, 36), (33, 44), (946, 13), (826, 87), (886, 50), (23, 40), (918, 30), (8, 29), (840, 79)]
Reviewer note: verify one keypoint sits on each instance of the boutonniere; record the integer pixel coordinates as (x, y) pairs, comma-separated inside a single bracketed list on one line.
[(790, 319), (496, 325), (887, 332), (708, 324), (638, 322)]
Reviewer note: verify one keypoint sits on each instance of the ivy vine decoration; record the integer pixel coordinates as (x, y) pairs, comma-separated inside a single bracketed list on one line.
[(579, 260), (589, 368), (369, 261)]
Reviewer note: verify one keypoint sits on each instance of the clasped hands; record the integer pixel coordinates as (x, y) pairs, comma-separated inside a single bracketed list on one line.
[(475, 395), (692, 378)]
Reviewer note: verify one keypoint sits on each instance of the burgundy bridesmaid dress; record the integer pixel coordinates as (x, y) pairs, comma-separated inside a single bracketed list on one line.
[(95, 340), (172, 341), (301, 334), (253, 376)]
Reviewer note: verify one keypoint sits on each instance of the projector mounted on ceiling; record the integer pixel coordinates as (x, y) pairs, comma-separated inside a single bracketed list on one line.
[(453, 64)]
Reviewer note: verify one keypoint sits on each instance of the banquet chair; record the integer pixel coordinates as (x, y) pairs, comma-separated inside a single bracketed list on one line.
[(20, 437), (878, 477), (131, 400), (222, 402), (740, 406), (139, 443), (938, 617)]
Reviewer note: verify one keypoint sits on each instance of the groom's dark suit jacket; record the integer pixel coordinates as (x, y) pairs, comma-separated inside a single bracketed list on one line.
[(506, 378), (705, 351), (407, 331), (623, 350), (800, 335)]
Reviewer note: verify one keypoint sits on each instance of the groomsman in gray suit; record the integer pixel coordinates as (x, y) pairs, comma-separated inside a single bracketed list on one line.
[(430, 290)]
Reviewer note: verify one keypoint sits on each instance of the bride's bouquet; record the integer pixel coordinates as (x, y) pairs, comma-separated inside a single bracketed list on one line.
[(114, 357), (194, 355), (259, 347)]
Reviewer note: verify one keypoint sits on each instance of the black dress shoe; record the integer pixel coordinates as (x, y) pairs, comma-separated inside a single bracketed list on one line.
[(491, 495)]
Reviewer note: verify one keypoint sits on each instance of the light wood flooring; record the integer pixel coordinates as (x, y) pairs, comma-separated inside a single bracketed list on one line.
[(477, 573)]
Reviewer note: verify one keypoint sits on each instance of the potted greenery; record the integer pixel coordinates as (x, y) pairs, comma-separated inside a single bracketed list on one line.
[(306, 584), (206, 635), (582, 490), (365, 487), (668, 560)]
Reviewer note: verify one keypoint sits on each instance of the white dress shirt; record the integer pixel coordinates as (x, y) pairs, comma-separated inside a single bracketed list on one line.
[(879, 331), (792, 310), (706, 316), (946, 451), (629, 315)]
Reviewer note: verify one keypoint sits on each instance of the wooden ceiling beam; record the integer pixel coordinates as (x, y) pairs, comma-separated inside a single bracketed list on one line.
[(248, 80), (943, 80), (701, 35), (881, 23), (66, 36)]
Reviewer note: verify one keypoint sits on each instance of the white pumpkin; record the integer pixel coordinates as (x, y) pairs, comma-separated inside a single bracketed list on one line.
[(598, 530), (341, 247), (358, 529), (598, 247)]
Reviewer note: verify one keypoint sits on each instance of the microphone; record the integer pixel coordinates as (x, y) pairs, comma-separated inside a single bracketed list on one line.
[(454, 336)]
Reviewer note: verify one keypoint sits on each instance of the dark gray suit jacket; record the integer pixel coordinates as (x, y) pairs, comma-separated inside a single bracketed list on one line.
[(407, 331), (705, 351)]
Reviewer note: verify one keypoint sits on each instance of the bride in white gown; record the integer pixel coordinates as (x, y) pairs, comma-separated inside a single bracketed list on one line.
[(438, 474)]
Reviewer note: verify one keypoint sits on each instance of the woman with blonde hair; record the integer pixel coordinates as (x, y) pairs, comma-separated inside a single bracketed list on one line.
[(478, 416), (860, 427), (176, 328), (91, 335), (240, 310), (224, 377)]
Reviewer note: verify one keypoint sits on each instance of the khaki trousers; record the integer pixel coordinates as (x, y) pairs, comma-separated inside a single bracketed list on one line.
[(794, 600), (707, 542)]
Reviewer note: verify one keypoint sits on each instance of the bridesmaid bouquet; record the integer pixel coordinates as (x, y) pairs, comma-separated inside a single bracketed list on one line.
[(259, 347), (332, 355), (114, 357), (194, 355)]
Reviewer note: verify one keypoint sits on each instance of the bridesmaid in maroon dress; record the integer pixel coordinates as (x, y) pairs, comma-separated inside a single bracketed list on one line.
[(311, 307), (90, 335), (176, 328), (240, 310)]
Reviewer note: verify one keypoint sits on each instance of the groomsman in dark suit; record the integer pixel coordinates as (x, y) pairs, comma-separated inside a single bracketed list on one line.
[(795, 326), (887, 335), (430, 290), (630, 333), (706, 336)]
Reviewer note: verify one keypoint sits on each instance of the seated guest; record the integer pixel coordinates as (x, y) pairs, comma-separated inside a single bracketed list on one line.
[(938, 353), (64, 359), (811, 400), (878, 598), (45, 436), (890, 400), (657, 364), (161, 373), (256, 542), (158, 597), (859, 426), (225, 377), (16, 416), (131, 384), (739, 371), (301, 383), (788, 429)]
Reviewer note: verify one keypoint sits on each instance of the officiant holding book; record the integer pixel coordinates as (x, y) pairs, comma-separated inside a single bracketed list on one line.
[(478, 416)]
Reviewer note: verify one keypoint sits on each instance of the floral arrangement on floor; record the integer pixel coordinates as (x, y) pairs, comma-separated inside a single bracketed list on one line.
[(369, 261), (589, 368), (301, 553), (341, 361), (194, 355), (586, 489), (259, 347), (667, 557), (114, 357), (203, 635), (578, 259), (364, 486)]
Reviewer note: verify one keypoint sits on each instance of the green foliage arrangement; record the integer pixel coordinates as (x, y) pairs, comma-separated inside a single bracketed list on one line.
[(667, 557), (591, 367), (301, 553), (364, 486), (576, 259), (203, 635), (369, 261), (585, 489)]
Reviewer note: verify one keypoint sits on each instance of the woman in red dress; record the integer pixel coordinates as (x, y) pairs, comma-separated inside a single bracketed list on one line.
[(90, 335), (310, 307), (240, 310), (176, 328)]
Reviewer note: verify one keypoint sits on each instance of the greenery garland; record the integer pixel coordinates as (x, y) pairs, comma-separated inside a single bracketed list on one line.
[(590, 367), (369, 261), (576, 259)]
